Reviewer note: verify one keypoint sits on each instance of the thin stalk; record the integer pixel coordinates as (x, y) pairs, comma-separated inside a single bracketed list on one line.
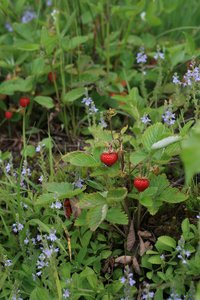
[(107, 39), (50, 153), (177, 29), (139, 215), (24, 133)]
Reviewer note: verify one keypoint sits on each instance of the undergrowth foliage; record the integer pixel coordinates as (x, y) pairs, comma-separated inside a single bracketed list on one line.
[(75, 224)]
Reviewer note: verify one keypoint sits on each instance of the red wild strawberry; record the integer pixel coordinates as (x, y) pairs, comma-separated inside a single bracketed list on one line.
[(24, 102), (8, 114), (67, 208), (141, 184), (109, 158), (50, 76)]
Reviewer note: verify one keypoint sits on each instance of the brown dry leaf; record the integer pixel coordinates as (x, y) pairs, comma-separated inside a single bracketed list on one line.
[(136, 266), (75, 210), (148, 245), (131, 237), (142, 247), (144, 234), (123, 259)]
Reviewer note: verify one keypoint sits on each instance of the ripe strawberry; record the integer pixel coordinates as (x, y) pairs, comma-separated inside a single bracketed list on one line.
[(67, 208), (141, 184), (109, 158), (8, 114), (50, 76), (24, 102)]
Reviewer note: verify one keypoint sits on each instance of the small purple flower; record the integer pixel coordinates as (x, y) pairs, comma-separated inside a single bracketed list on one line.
[(93, 109), (66, 293), (26, 241), (49, 2), (28, 16), (131, 281), (141, 56), (34, 277), (87, 101), (38, 149), (8, 167), (168, 116), (58, 205), (8, 26), (41, 178), (159, 54), (147, 294), (162, 257), (176, 80), (102, 123), (123, 280), (145, 119), (7, 262)]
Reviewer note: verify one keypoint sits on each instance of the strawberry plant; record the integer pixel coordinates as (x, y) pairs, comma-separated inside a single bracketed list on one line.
[(8, 114), (24, 101), (141, 184), (109, 158), (51, 75)]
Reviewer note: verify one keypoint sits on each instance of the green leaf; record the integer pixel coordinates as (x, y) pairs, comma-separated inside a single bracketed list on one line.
[(69, 44), (116, 215), (91, 200), (29, 47), (151, 135), (47, 41), (173, 149), (3, 105), (47, 198), (96, 215), (190, 45), (25, 30), (160, 182), (138, 156), (45, 101), (151, 15), (39, 293), (74, 94), (172, 195), (5, 65), (116, 195), (81, 255), (155, 207), (81, 219), (84, 160), (85, 79), (167, 240), (60, 188), (94, 185), (146, 201), (38, 65), (155, 259), (112, 171), (185, 225), (29, 151), (8, 87), (191, 153), (166, 142)]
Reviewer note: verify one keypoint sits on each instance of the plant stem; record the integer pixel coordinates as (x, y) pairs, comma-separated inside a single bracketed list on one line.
[(107, 39)]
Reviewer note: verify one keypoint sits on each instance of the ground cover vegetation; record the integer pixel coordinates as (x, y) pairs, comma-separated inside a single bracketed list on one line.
[(99, 158)]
